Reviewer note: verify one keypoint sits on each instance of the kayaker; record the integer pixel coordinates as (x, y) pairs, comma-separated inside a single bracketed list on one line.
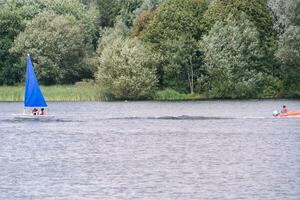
[(284, 109)]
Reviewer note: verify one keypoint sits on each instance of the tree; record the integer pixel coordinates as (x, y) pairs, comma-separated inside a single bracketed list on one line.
[(256, 10), (232, 53), (86, 15), (287, 22), (173, 33), (289, 54), (175, 17), (57, 47), (10, 26), (258, 13), (126, 67)]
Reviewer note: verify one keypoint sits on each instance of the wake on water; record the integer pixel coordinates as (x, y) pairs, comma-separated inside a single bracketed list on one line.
[(70, 119)]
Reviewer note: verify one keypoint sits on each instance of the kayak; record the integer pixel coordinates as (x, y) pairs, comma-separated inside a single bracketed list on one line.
[(290, 114)]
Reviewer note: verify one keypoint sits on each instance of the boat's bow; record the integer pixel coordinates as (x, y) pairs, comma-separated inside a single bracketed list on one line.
[(290, 114)]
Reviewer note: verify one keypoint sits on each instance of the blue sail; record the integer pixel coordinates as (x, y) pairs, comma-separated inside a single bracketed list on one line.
[(33, 94)]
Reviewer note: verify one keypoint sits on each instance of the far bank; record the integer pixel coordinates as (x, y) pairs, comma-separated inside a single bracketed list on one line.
[(92, 92)]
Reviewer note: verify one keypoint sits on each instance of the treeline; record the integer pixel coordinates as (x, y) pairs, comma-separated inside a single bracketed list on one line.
[(134, 48)]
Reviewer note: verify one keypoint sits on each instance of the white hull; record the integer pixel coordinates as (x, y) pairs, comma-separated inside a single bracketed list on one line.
[(32, 117)]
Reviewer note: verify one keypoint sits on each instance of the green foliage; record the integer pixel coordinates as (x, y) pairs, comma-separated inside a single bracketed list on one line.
[(11, 93), (110, 34), (256, 10), (87, 16), (271, 87), (174, 18), (171, 95), (183, 63), (127, 13), (173, 33), (289, 54), (108, 11), (232, 52), (126, 69), (57, 47), (148, 5), (258, 13), (294, 12), (239, 51), (77, 92), (292, 91), (10, 26), (287, 22), (168, 94)]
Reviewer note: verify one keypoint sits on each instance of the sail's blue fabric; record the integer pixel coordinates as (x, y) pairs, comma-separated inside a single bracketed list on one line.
[(33, 94)]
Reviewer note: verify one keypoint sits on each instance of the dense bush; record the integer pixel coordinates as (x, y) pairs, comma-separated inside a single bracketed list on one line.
[(126, 68)]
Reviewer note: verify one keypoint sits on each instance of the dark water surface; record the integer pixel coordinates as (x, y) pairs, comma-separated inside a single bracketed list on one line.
[(151, 150)]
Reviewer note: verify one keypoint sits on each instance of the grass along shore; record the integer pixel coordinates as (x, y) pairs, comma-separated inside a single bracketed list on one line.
[(90, 92), (54, 93), (84, 92)]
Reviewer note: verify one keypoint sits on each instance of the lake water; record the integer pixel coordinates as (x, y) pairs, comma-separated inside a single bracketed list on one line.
[(151, 150)]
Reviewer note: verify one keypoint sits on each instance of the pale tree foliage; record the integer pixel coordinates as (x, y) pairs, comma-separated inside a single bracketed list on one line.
[(289, 54), (288, 19), (231, 51), (148, 5), (285, 13), (126, 67), (109, 34), (280, 10)]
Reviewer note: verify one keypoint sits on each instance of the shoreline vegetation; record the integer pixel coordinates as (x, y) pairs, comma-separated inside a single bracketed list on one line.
[(100, 50), (92, 92)]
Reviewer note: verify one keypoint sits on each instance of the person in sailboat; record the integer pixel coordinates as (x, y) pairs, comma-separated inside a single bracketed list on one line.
[(42, 112), (35, 111)]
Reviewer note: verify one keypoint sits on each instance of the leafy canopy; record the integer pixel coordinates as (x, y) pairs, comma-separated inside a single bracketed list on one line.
[(126, 67), (232, 52), (57, 46), (10, 26)]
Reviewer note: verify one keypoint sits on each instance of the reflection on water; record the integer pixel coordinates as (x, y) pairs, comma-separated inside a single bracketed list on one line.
[(151, 150)]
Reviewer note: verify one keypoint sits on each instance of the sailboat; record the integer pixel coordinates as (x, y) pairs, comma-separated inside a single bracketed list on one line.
[(34, 98)]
